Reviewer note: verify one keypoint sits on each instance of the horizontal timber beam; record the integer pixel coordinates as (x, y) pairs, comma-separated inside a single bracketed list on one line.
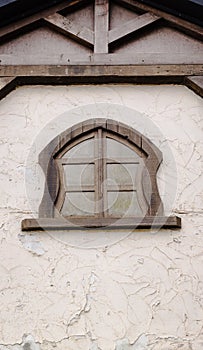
[(101, 70), (108, 223), (113, 59), (8, 84)]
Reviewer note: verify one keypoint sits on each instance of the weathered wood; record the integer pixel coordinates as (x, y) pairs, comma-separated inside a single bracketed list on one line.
[(64, 80), (105, 223), (99, 71), (15, 27), (43, 80), (195, 84), (166, 58), (51, 162), (73, 161), (132, 26), (5, 81), (101, 26), (77, 32), (7, 84), (80, 188), (99, 173), (187, 27)]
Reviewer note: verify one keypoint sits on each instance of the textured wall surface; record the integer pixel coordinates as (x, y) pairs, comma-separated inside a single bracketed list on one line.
[(140, 290)]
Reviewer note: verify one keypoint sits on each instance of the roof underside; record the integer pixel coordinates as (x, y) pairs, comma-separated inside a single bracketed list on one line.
[(14, 10)]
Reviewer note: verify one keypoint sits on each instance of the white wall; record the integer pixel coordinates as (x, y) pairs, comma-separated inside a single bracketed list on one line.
[(103, 290)]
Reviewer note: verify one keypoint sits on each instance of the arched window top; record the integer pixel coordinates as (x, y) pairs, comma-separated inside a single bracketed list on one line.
[(101, 173), (87, 126)]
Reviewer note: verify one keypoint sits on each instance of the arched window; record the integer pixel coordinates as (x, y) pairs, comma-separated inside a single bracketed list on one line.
[(100, 173)]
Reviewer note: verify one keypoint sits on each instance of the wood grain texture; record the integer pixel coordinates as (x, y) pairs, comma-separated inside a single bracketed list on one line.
[(63, 25), (50, 159), (64, 80), (22, 58), (15, 27), (195, 84), (7, 84), (132, 26), (101, 26), (101, 70), (177, 22), (105, 223)]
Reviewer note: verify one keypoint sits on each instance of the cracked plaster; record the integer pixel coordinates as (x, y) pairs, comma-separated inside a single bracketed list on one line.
[(143, 291)]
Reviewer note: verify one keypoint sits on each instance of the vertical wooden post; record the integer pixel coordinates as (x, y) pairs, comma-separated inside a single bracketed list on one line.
[(101, 26)]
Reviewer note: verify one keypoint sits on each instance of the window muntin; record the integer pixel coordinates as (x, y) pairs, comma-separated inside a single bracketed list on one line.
[(100, 177)]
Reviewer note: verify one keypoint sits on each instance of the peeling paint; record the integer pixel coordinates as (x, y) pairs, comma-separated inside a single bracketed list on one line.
[(28, 343), (32, 244), (140, 344)]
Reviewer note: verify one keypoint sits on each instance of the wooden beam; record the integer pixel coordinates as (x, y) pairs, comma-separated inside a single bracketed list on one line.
[(17, 26), (65, 26), (101, 26), (195, 84), (7, 84), (132, 26), (185, 26), (102, 70), (5, 81), (87, 80), (102, 59), (108, 223)]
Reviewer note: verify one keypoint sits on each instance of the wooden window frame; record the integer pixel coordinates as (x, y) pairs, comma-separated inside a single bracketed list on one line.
[(47, 160)]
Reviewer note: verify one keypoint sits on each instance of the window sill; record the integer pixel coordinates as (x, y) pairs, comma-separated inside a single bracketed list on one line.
[(103, 223)]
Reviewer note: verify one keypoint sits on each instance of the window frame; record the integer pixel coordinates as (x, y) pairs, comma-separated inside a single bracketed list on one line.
[(47, 160), (100, 161)]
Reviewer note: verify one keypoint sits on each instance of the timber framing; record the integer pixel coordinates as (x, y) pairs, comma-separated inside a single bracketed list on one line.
[(9, 82), (101, 70), (50, 158), (187, 27), (100, 66), (43, 224), (103, 67), (78, 33), (132, 26), (102, 36)]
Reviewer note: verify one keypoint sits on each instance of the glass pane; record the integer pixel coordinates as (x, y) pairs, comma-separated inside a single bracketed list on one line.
[(123, 203), (78, 204), (84, 149), (117, 150), (79, 175), (121, 174)]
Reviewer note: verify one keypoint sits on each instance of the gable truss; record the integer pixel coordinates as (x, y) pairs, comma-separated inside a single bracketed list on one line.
[(63, 25), (100, 66), (101, 37)]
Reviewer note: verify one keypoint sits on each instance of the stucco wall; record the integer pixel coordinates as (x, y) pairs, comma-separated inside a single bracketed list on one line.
[(101, 290)]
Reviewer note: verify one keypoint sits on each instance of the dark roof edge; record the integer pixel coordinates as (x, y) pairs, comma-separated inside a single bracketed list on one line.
[(15, 10), (188, 10)]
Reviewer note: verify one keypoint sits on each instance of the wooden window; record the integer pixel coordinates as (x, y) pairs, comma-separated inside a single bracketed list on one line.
[(100, 177), (100, 173)]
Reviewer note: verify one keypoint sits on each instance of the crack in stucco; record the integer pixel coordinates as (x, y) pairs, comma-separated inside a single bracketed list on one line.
[(87, 305)]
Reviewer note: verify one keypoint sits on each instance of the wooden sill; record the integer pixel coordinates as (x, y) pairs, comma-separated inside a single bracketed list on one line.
[(103, 223)]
